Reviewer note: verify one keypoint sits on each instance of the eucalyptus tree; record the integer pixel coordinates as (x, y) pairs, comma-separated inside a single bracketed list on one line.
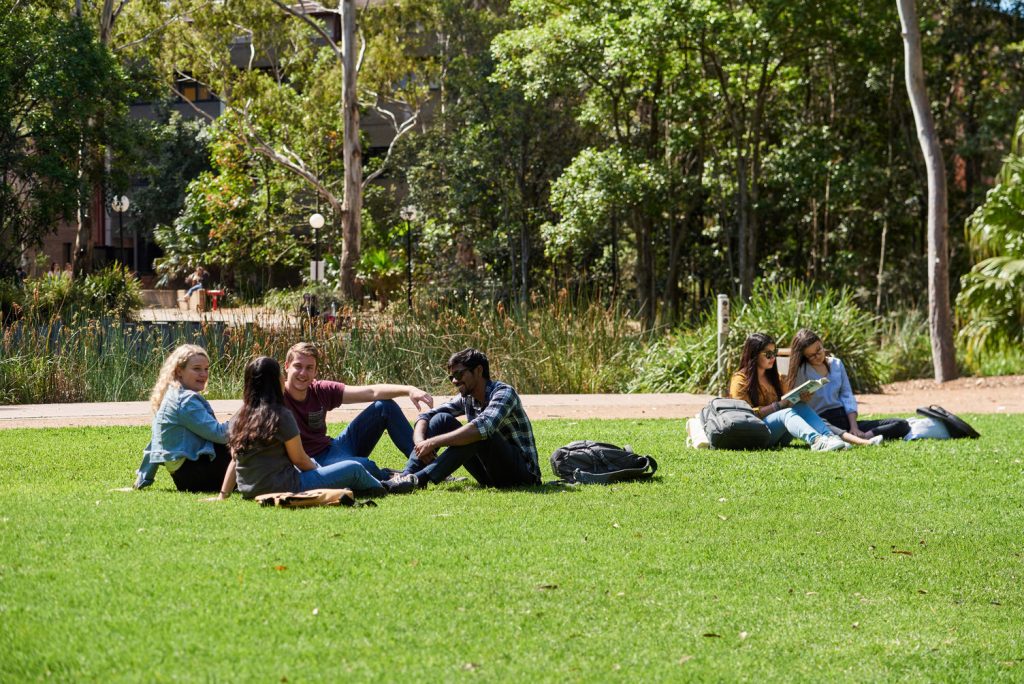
[(481, 174), (291, 86), (939, 310), (633, 67), (61, 92)]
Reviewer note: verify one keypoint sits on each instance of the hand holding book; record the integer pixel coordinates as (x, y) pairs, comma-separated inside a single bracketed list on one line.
[(810, 387)]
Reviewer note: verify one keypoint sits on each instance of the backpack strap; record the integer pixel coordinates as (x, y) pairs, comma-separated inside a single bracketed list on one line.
[(644, 472)]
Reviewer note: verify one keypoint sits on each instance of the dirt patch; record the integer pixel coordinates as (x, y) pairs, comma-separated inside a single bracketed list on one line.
[(1000, 394)]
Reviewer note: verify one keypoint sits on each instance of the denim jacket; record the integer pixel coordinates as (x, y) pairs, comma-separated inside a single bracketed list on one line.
[(184, 427)]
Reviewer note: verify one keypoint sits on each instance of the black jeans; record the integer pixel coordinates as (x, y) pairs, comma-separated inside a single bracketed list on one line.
[(203, 475), (492, 462), (890, 428)]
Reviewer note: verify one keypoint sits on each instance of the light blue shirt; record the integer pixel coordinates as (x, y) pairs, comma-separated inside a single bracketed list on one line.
[(836, 394), (184, 427)]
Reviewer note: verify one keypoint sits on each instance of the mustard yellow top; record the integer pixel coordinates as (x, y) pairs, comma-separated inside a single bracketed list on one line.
[(766, 393)]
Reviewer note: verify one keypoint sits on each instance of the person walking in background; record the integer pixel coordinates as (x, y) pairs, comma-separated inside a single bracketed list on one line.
[(186, 437), (834, 402), (496, 445), (68, 270)]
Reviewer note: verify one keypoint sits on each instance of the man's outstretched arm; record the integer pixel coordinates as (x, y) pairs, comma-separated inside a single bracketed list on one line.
[(356, 394)]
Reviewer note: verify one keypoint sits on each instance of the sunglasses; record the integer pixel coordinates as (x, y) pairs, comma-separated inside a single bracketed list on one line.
[(769, 354), (457, 374)]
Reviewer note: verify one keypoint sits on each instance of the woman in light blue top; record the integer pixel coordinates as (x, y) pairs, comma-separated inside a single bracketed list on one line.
[(186, 437), (835, 402)]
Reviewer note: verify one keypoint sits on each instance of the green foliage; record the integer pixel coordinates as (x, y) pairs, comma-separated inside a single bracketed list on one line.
[(885, 564), (112, 292), (560, 346), (237, 218), (906, 348), (60, 92), (991, 303), (685, 360)]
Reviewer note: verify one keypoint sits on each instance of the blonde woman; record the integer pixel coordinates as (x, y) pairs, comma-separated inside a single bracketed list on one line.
[(186, 437)]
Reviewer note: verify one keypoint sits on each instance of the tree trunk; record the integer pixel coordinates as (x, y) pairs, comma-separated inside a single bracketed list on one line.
[(939, 314), (353, 157)]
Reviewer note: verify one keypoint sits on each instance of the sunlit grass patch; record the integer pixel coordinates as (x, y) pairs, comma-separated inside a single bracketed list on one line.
[(902, 561)]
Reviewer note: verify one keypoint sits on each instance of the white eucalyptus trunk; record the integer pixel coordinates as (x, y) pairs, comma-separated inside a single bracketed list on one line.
[(939, 311)]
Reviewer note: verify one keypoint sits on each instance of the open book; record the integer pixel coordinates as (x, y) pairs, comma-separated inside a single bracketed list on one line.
[(811, 386)]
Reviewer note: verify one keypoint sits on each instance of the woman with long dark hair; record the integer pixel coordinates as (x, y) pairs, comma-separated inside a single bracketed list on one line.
[(834, 402), (757, 382), (267, 449)]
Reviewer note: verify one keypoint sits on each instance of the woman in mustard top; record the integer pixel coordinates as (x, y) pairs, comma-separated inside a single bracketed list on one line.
[(758, 383)]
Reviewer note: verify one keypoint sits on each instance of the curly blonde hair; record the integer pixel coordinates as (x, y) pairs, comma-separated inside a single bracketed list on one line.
[(170, 370)]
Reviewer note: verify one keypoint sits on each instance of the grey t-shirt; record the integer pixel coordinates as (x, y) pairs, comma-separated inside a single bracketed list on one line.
[(264, 467)]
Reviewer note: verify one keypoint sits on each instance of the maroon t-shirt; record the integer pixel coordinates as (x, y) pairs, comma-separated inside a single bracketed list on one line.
[(311, 414)]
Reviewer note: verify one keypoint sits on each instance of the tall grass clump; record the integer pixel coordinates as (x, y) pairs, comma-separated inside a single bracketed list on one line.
[(906, 348), (560, 344), (685, 360)]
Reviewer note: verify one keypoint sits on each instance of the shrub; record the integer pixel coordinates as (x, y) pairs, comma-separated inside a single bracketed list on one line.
[(110, 292), (906, 348), (685, 360)]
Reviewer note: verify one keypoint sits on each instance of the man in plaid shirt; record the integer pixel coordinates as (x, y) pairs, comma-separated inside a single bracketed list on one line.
[(496, 444)]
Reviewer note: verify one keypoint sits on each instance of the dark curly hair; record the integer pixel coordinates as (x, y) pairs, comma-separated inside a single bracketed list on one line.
[(470, 359)]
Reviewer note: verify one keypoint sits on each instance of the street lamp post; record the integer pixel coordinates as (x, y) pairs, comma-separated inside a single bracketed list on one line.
[(120, 205), (316, 222), (408, 214)]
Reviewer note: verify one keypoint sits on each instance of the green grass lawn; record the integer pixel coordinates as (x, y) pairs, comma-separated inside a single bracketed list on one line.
[(899, 562)]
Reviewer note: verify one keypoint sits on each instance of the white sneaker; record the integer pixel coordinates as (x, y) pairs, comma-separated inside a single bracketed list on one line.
[(876, 440), (829, 443)]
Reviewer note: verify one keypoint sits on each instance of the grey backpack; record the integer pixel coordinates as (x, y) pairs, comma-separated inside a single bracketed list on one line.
[(732, 424), (589, 462)]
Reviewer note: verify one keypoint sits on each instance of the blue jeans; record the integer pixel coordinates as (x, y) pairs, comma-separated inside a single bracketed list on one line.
[(800, 421), (193, 289), (357, 441), (344, 474), (492, 462)]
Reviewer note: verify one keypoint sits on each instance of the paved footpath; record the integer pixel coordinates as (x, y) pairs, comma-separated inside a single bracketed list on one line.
[(963, 396)]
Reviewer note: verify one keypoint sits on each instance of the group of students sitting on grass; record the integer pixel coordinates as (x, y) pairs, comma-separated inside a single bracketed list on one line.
[(278, 441), (826, 419)]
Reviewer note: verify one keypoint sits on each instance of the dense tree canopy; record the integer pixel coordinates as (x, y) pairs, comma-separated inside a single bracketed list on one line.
[(656, 150)]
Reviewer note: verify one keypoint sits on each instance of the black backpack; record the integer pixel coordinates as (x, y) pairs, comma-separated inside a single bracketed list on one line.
[(599, 463), (957, 426), (732, 424)]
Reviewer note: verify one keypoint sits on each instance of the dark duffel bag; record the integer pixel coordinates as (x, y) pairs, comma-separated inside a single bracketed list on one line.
[(732, 424)]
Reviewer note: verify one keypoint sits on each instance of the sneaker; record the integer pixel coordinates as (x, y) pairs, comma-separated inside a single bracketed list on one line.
[(876, 440), (401, 484), (829, 443), (452, 478)]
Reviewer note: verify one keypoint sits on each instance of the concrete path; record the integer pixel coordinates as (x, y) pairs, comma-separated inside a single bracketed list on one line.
[(963, 396)]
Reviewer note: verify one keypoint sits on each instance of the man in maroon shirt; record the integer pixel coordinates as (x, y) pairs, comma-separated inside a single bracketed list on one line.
[(311, 399)]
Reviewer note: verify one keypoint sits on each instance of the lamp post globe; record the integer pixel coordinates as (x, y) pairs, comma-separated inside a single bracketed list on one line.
[(120, 205)]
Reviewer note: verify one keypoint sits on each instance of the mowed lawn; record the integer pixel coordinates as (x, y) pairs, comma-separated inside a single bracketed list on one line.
[(899, 562)]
